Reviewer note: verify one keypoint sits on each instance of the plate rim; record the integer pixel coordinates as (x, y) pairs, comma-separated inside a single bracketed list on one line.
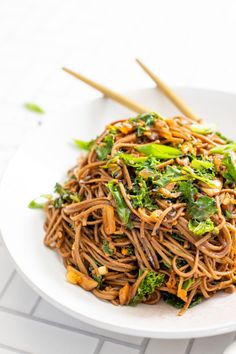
[(219, 329)]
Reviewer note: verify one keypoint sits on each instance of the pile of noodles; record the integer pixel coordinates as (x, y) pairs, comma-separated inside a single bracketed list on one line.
[(110, 257)]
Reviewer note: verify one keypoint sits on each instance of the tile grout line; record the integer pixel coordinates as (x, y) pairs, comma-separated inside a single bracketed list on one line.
[(144, 345), (7, 283), (189, 346), (35, 306), (99, 346), (67, 328), (12, 349)]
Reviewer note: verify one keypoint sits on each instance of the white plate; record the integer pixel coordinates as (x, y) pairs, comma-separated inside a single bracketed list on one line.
[(43, 160)]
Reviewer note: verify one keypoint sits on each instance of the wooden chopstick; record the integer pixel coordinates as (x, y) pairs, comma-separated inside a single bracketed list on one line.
[(178, 102), (125, 101)]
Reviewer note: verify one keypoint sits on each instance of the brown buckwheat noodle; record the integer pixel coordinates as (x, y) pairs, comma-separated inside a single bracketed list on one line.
[(111, 258)]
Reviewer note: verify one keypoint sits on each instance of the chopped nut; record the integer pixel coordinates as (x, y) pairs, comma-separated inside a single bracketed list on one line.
[(103, 270), (125, 127), (187, 147)]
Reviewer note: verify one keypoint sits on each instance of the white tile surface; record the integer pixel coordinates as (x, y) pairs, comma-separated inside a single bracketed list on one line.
[(111, 348), (49, 312), (7, 351), (212, 345), (6, 268), (19, 296), (160, 346), (41, 338)]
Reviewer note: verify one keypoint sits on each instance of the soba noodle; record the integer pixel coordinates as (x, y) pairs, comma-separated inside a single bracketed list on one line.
[(149, 213)]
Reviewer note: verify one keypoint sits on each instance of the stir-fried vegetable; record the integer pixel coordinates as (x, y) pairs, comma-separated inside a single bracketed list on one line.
[(171, 174), (106, 248), (199, 176), (65, 196), (176, 302), (188, 192), (199, 228), (104, 149), (143, 122), (141, 195), (202, 208), (230, 162), (147, 287), (199, 210)]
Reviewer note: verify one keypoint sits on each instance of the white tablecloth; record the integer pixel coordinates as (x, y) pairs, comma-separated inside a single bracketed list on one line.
[(189, 43)]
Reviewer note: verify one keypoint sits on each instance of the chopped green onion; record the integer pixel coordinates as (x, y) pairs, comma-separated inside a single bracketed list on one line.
[(187, 283), (220, 135), (121, 207), (203, 129), (39, 202), (159, 151), (33, 108), (222, 149), (201, 164), (84, 145)]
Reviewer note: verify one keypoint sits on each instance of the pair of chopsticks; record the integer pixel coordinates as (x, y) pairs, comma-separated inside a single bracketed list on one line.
[(135, 106)]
